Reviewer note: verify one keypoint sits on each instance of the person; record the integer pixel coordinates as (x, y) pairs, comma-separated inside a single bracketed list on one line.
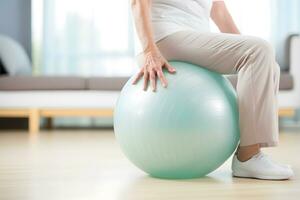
[(179, 30)]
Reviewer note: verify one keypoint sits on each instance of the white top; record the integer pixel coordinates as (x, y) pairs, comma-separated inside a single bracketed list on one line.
[(170, 16)]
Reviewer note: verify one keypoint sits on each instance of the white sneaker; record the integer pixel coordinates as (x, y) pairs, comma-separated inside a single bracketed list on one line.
[(261, 166)]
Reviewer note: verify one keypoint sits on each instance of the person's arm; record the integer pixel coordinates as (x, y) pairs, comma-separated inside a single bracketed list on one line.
[(153, 60), (222, 18)]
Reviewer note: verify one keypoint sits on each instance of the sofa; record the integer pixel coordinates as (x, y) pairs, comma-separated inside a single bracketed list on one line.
[(35, 97)]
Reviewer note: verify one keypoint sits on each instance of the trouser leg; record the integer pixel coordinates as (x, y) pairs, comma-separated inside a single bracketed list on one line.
[(253, 60)]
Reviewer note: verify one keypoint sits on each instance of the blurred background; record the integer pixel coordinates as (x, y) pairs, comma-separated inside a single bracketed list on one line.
[(89, 38), (62, 66)]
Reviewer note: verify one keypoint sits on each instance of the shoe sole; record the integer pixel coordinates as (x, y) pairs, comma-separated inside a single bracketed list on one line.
[(273, 178)]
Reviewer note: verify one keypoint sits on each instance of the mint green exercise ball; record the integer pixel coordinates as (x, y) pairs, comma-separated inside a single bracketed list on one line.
[(186, 130)]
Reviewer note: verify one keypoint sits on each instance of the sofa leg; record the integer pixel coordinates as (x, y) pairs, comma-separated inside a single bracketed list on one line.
[(49, 122), (34, 121), (287, 112)]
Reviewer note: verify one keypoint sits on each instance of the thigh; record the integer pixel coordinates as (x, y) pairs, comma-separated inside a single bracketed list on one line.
[(216, 51)]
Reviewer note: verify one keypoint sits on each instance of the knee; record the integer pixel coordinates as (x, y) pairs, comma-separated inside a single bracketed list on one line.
[(262, 48)]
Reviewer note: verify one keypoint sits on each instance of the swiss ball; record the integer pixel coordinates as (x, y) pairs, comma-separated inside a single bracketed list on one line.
[(186, 130)]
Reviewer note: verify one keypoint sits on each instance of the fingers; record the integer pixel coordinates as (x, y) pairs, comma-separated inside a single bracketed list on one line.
[(138, 77), (170, 68), (146, 77), (153, 80), (151, 73), (162, 78), (145, 74)]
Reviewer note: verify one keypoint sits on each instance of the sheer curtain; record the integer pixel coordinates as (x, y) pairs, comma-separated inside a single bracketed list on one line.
[(92, 37), (83, 37), (286, 21)]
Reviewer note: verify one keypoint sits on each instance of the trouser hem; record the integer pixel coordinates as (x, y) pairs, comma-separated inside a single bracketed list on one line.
[(262, 144)]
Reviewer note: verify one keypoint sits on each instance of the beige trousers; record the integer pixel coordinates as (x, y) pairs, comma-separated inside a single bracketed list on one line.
[(253, 60)]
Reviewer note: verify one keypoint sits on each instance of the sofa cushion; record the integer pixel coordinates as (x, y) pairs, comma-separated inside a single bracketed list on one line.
[(41, 83), (13, 56), (106, 83), (93, 83), (286, 81)]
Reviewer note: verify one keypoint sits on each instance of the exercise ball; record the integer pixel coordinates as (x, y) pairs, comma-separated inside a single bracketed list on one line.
[(186, 130)]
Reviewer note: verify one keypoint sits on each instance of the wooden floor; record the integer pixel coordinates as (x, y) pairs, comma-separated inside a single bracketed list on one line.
[(89, 165)]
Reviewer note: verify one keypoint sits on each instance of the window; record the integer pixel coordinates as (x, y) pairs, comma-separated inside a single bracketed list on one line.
[(83, 37), (93, 37)]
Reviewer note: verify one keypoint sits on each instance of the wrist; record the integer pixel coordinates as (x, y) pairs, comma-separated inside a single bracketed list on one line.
[(151, 48)]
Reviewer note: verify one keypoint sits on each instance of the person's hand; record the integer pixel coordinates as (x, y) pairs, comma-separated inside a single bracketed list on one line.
[(152, 68)]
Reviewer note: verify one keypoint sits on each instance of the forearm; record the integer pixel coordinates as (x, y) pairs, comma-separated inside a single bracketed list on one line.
[(223, 19), (142, 17), (227, 25)]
